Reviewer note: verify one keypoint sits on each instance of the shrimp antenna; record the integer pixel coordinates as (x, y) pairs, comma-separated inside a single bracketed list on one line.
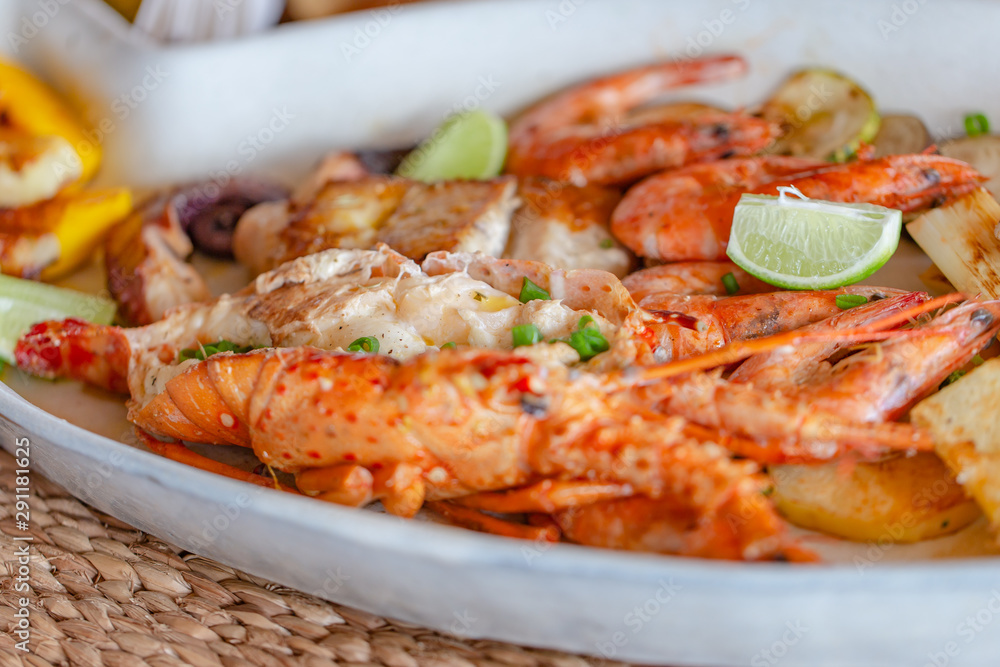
[(740, 350)]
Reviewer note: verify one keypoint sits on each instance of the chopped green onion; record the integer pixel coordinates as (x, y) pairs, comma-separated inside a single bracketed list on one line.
[(848, 301), (364, 344), (205, 351), (479, 296), (954, 377), (587, 340), (531, 291), (976, 124), (729, 282), (959, 374), (526, 334), (607, 244), (449, 346)]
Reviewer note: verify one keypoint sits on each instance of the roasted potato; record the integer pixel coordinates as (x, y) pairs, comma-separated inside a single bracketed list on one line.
[(900, 498), (962, 419)]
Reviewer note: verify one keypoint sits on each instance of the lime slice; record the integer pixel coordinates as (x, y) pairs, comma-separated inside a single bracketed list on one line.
[(468, 145), (800, 243), (24, 303)]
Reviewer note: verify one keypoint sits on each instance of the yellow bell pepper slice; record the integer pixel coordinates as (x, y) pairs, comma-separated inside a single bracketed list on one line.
[(29, 106), (82, 225)]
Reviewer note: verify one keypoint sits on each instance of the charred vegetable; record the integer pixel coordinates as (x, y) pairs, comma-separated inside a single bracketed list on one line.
[(823, 115)]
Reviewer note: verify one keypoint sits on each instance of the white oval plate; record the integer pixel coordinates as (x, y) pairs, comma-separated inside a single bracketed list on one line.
[(387, 78)]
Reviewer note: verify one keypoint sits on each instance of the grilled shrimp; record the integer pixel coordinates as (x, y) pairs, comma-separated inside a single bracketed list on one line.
[(691, 278), (873, 386), (699, 323), (687, 214), (583, 135)]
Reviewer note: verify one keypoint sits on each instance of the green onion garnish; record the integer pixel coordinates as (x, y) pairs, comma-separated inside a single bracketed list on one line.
[(954, 377), (531, 291), (202, 352), (449, 346), (526, 334), (607, 244), (978, 360), (587, 340), (848, 301), (729, 282), (364, 344), (976, 124)]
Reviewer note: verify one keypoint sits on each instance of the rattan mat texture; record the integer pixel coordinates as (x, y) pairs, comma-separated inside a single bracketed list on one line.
[(104, 593)]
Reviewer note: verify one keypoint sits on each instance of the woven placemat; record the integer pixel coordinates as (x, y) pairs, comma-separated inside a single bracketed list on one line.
[(103, 593)]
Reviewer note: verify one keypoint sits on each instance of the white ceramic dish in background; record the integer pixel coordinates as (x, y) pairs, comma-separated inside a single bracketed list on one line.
[(335, 88)]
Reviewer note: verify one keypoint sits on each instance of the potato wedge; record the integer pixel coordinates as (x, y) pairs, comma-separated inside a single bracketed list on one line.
[(959, 238), (962, 419), (900, 498)]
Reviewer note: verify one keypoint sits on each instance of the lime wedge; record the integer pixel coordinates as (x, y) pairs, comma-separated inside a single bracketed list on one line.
[(799, 243), (468, 145), (24, 303)]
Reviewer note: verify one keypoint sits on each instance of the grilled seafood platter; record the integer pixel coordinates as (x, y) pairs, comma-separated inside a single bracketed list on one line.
[(561, 350)]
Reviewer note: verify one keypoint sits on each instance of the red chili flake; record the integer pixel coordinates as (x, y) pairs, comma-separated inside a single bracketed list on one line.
[(313, 454), (350, 457), (523, 385)]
